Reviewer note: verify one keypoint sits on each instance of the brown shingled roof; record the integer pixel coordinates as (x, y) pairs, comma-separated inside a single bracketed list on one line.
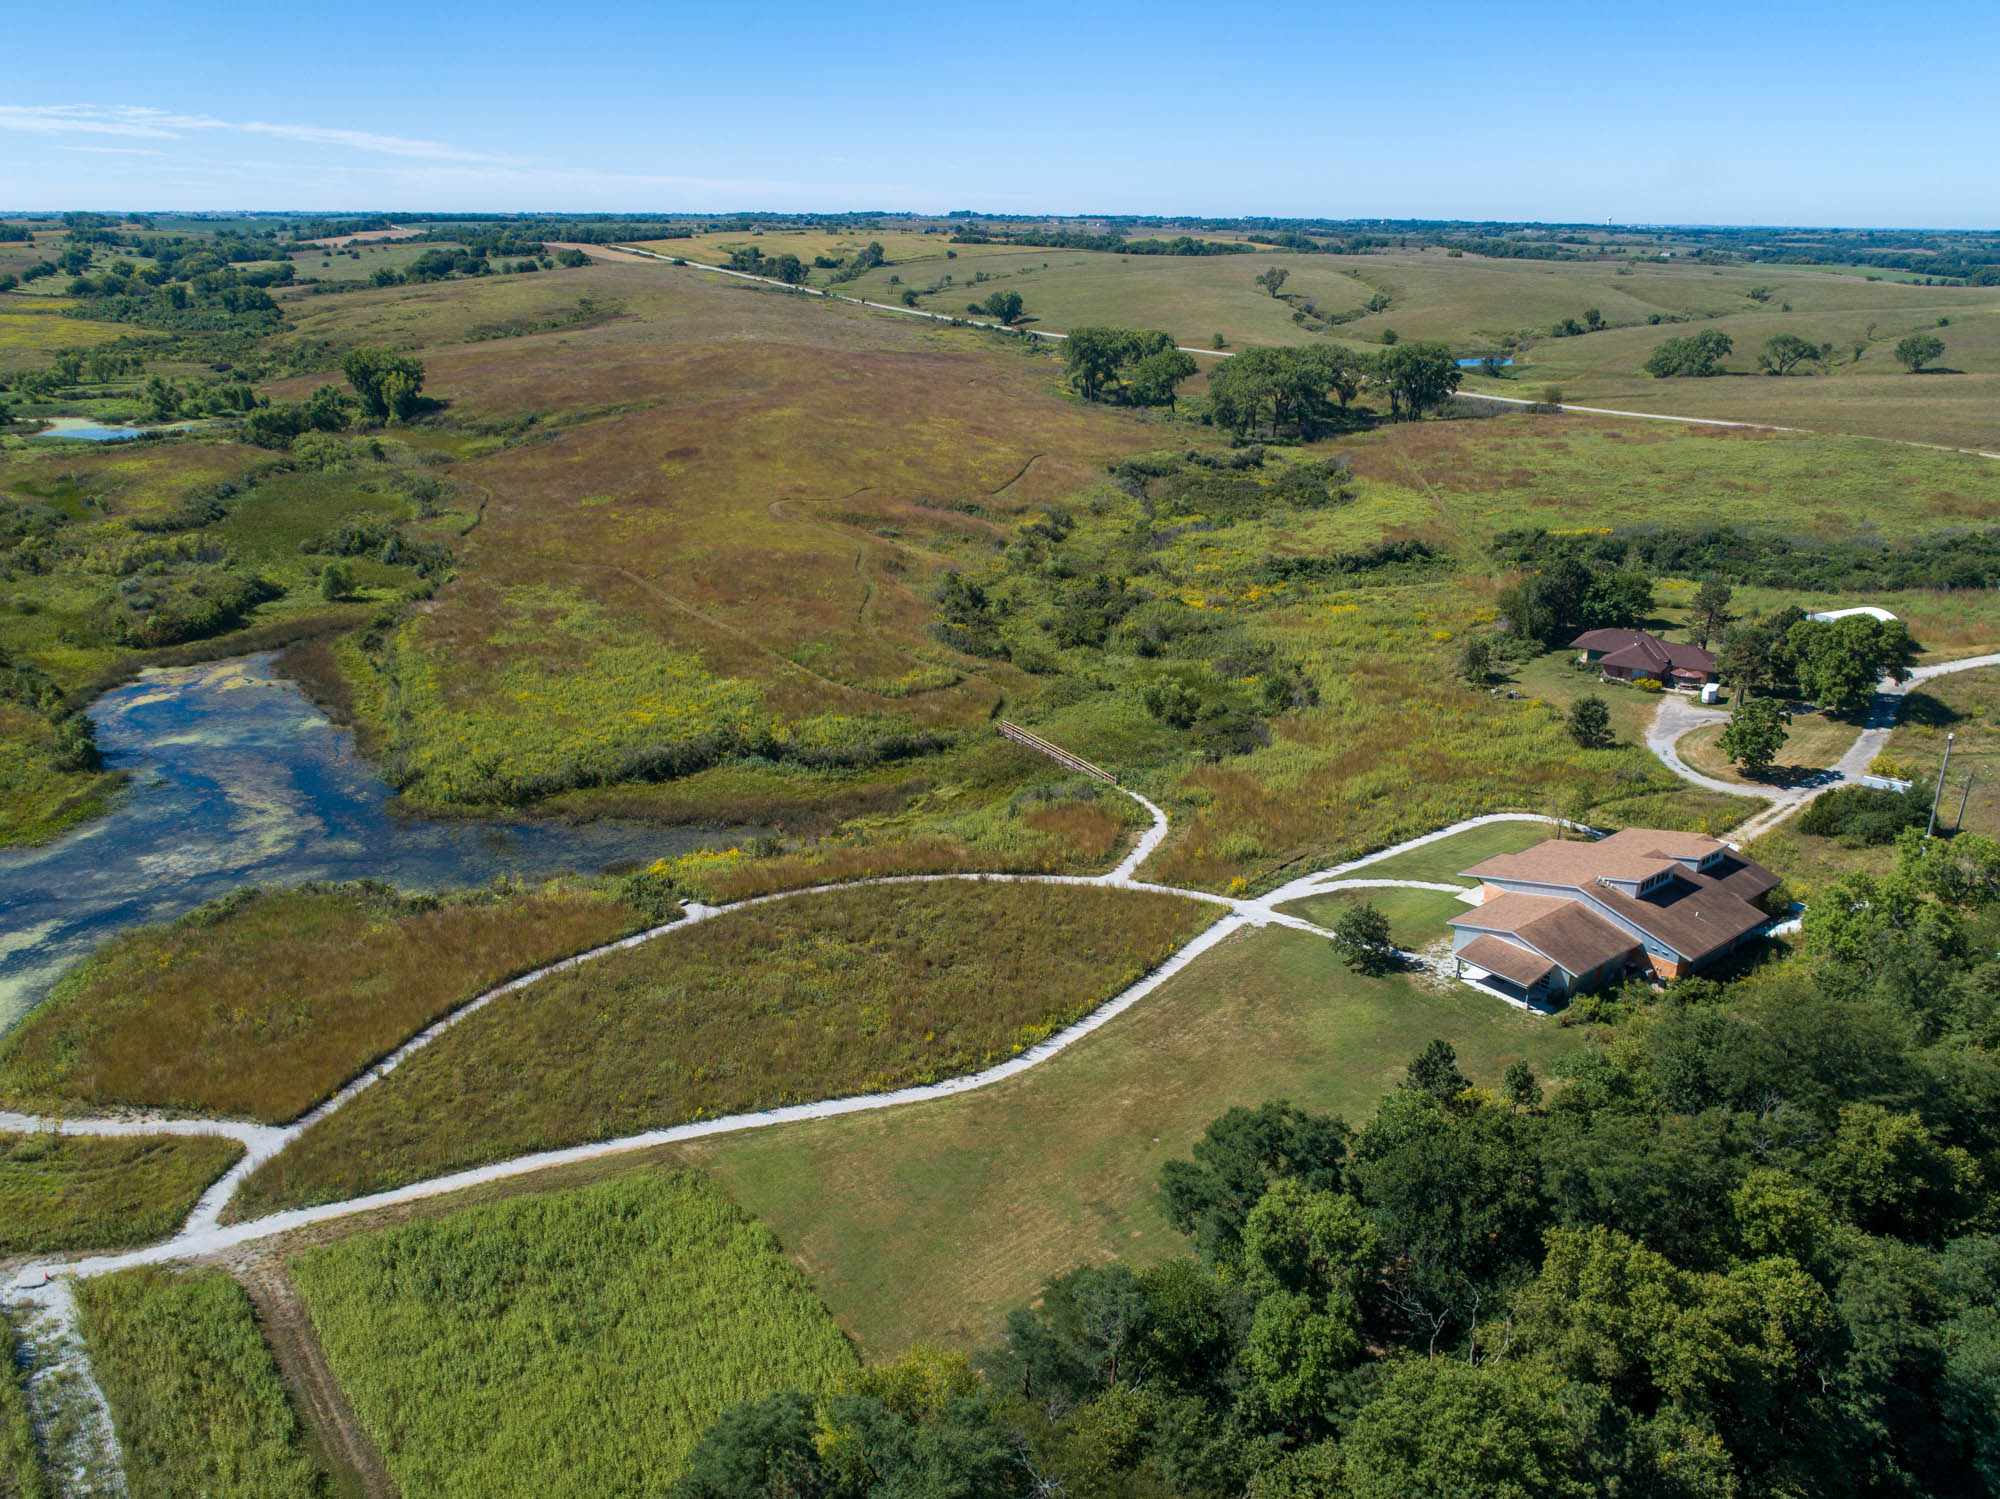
[(1635, 650), (1497, 955), (1565, 930), (1557, 861), (1692, 916), (1693, 913)]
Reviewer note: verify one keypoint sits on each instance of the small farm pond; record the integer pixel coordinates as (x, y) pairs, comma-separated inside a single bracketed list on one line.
[(236, 779), (1478, 360)]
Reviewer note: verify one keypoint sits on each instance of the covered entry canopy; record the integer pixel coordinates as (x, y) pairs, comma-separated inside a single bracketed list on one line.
[(1497, 955)]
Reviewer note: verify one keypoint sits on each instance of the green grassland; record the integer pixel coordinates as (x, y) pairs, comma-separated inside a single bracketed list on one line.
[(1416, 917), (1965, 706), (261, 1005), (1479, 305), (1441, 861), (927, 1223), (697, 528), (20, 1461), (340, 266), (851, 991), (583, 548), (62, 1192), (565, 1346), (195, 1395)]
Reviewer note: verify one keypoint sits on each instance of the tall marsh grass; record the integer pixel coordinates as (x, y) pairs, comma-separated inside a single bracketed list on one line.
[(20, 1462), (195, 1395), (60, 1192), (569, 1346)]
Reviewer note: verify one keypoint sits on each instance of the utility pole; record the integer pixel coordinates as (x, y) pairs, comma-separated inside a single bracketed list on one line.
[(1964, 797), (1939, 793)]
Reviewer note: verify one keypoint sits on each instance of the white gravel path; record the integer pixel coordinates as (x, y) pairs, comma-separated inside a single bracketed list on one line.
[(204, 1234)]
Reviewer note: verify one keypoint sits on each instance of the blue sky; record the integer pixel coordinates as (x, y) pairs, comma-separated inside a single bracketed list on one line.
[(1678, 113)]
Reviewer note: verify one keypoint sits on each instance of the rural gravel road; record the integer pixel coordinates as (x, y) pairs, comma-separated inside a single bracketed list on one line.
[(629, 253)]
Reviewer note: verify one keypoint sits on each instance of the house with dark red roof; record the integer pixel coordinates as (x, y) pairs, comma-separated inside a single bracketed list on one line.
[(1633, 655), (1567, 915)]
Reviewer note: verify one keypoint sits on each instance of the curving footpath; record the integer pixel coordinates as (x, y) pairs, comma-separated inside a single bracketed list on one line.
[(62, 1390), (1677, 716), (204, 1234)]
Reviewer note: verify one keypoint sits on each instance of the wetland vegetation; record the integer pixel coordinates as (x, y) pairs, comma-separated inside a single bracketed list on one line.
[(547, 533)]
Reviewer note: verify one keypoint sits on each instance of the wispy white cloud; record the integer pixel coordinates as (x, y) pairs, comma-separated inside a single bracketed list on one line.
[(159, 124), (112, 150)]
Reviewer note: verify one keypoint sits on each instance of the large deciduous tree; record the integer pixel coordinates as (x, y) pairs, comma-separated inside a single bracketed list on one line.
[(1755, 733), (388, 384), (1698, 354), (1418, 376), (1785, 352), (1915, 350)]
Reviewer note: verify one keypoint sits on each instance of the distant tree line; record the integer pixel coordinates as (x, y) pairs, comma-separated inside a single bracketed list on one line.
[(1966, 559), (1077, 239)]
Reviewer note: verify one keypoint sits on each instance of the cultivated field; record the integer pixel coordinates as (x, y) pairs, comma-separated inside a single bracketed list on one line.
[(852, 991)]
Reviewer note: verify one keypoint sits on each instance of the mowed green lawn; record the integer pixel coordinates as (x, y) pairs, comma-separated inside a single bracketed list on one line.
[(1416, 917), (927, 1223), (1441, 861)]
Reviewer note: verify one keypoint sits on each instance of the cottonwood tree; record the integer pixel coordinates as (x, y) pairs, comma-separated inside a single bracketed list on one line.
[(1838, 662), (387, 383), (1273, 280), (1004, 305), (1699, 354), (1364, 942), (1158, 376), (1919, 349)]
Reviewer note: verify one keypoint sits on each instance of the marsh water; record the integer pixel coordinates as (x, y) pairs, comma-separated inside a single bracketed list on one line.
[(236, 779)]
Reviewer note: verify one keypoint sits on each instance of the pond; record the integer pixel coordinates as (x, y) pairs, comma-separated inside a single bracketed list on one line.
[(236, 779), (86, 430), (1477, 360)]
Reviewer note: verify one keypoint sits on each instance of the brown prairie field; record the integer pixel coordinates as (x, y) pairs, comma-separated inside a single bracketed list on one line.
[(273, 1003), (860, 990)]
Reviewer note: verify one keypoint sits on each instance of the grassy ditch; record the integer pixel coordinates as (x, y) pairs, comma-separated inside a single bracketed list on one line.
[(850, 991), (194, 1393), (60, 1192), (566, 1346), (261, 1004)]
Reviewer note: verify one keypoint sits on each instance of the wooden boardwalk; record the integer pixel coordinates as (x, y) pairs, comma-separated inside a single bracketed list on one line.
[(1055, 752)]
